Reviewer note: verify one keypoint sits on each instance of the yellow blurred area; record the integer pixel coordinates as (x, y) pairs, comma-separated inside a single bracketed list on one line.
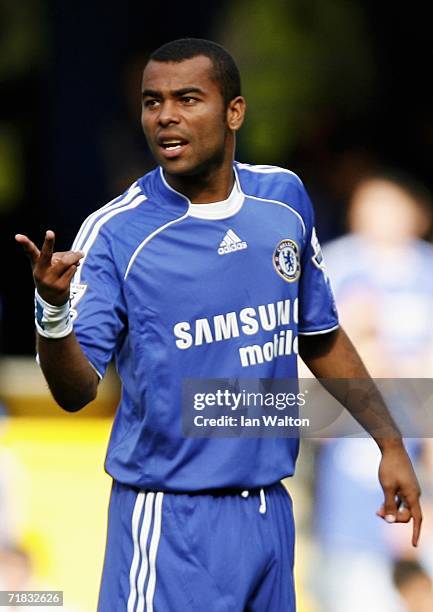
[(25, 393), (58, 489), (63, 496)]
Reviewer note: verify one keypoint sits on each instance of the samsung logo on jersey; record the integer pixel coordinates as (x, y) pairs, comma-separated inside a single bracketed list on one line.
[(282, 343), (248, 321)]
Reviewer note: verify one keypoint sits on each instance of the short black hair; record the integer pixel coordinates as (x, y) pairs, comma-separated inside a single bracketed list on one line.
[(225, 72), (405, 570)]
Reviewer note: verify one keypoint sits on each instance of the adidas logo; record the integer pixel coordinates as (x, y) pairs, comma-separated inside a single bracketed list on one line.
[(230, 243)]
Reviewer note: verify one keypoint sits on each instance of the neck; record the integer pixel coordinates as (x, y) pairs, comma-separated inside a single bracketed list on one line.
[(213, 185)]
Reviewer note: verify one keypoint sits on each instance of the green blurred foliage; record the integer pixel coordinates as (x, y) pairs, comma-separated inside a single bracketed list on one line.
[(23, 45), (22, 36), (11, 167), (296, 59)]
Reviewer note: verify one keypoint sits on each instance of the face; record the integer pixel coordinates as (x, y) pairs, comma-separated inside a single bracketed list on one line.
[(186, 124), (384, 212)]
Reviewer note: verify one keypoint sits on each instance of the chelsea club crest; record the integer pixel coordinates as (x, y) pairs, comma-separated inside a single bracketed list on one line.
[(286, 260)]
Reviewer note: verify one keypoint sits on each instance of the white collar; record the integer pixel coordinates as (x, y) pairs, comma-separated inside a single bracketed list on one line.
[(219, 210), (214, 210)]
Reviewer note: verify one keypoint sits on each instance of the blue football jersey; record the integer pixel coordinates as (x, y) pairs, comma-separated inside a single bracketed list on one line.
[(177, 291)]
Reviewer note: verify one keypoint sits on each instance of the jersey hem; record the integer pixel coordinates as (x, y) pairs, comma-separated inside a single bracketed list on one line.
[(100, 376), (318, 331)]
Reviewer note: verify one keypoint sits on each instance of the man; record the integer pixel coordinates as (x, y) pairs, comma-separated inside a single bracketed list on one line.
[(191, 274)]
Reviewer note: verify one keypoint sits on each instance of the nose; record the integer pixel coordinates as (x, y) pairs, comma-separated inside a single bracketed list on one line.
[(168, 114)]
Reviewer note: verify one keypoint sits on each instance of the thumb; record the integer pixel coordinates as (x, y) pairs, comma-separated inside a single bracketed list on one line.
[(390, 506)]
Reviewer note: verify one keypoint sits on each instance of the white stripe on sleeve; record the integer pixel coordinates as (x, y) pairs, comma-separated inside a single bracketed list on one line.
[(116, 203), (95, 231)]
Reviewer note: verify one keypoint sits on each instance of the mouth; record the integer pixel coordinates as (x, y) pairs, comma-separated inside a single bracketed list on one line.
[(172, 147)]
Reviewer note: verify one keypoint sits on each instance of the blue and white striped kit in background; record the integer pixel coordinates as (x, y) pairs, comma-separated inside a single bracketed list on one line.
[(176, 291), (198, 552)]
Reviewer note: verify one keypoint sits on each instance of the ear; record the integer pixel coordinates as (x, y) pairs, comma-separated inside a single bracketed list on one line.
[(235, 113)]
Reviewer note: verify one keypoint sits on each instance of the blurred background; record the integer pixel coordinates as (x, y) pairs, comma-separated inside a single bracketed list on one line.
[(337, 91)]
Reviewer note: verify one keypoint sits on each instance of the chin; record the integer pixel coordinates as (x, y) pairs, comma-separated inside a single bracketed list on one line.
[(177, 168)]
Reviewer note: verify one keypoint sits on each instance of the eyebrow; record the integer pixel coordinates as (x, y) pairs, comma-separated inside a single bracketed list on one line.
[(177, 93)]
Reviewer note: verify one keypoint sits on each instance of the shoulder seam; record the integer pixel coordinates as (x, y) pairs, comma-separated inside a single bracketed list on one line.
[(148, 239), (265, 169), (293, 210)]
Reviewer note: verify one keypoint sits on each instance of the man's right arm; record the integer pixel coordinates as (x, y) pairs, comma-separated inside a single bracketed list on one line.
[(70, 377)]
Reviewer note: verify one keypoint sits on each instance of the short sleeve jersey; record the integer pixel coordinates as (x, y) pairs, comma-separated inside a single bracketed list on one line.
[(176, 291)]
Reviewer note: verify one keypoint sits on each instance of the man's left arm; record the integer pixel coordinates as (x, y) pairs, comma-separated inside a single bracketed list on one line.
[(332, 358)]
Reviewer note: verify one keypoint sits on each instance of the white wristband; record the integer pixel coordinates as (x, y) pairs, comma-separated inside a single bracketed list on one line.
[(52, 321)]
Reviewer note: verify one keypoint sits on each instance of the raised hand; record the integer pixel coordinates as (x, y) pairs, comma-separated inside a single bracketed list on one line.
[(52, 272)]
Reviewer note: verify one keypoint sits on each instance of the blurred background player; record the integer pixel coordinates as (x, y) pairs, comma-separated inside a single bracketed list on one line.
[(414, 585), (381, 274)]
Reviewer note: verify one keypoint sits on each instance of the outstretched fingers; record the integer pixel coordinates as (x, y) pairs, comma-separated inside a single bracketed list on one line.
[(52, 272), (47, 248), (41, 257), (30, 249)]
